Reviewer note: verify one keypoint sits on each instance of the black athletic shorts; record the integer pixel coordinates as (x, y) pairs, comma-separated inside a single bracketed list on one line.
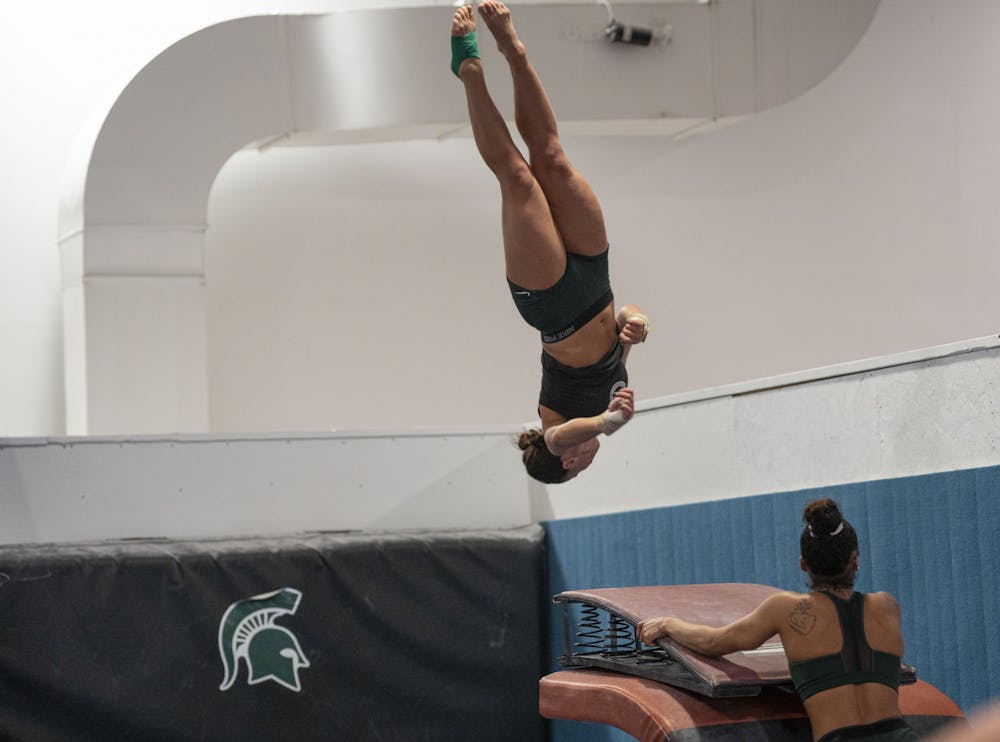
[(886, 730), (575, 299)]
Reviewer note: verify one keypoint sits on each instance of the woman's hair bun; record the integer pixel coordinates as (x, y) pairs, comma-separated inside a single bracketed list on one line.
[(827, 545), (822, 516), (528, 438)]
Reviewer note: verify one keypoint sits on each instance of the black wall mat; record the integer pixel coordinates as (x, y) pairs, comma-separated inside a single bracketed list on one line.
[(358, 636)]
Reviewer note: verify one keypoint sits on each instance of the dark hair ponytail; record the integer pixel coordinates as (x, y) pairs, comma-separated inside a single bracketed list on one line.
[(827, 544), (541, 463)]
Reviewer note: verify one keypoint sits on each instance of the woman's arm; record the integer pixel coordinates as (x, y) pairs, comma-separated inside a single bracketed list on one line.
[(560, 438), (748, 632)]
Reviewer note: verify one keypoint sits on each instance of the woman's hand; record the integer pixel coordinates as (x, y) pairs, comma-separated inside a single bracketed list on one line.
[(633, 325), (624, 400), (652, 629), (620, 411), (634, 331)]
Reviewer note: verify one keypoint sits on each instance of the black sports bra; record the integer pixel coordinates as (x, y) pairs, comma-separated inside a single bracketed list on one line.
[(855, 663)]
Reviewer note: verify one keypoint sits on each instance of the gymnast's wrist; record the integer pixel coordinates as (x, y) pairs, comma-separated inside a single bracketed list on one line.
[(610, 420)]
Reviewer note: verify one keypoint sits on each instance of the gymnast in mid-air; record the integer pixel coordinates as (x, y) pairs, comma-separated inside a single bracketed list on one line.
[(556, 256)]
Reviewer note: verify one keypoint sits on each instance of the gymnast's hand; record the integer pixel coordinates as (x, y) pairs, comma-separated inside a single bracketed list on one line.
[(633, 325), (634, 331), (624, 400), (619, 412), (653, 628)]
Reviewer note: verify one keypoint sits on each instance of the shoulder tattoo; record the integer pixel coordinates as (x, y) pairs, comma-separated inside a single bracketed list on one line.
[(801, 618)]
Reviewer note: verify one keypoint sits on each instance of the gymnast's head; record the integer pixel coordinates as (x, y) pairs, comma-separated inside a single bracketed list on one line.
[(540, 462), (828, 546), (545, 466)]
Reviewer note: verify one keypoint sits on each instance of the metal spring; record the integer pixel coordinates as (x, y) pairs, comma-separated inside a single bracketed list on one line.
[(620, 638), (615, 637), (590, 629)]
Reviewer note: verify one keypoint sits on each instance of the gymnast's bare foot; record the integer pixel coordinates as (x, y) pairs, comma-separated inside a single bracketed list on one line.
[(496, 16)]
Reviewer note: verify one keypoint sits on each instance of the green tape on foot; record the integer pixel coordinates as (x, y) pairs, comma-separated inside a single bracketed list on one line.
[(462, 48)]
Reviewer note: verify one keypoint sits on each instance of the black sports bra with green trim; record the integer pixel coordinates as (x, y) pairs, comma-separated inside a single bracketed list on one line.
[(855, 663)]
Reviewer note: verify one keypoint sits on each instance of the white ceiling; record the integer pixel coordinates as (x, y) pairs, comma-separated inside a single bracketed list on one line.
[(724, 60)]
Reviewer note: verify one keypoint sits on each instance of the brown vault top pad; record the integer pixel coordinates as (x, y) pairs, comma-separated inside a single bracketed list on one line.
[(654, 712), (713, 605)]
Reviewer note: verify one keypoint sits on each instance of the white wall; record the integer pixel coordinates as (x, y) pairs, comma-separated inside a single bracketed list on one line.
[(852, 222), (64, 63), (907, 414), (81, 489), (910, 414)]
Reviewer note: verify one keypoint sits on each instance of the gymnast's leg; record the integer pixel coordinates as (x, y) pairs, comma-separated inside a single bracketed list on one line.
[(574, 206), (534, 254)]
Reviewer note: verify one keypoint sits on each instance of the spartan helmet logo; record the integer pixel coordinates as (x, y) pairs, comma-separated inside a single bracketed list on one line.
[(248, 632)]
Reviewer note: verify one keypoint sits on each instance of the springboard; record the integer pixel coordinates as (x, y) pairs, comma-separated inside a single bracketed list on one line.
[(605, 637)]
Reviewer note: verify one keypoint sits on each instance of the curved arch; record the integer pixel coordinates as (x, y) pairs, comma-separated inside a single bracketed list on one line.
[(132, 221)]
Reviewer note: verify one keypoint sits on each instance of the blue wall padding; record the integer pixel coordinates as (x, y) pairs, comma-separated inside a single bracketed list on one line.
[(931, 540)]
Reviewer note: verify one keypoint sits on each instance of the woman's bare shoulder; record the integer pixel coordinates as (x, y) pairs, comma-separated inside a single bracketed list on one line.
[(882, 601), (789, 597), (785, 601)]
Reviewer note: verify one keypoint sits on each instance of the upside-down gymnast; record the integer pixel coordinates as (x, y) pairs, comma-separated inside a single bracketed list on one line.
[(843, 647), (556, 256)]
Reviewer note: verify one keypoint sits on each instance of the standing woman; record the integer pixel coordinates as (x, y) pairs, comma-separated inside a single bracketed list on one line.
[(556, 255), (843, 647)]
